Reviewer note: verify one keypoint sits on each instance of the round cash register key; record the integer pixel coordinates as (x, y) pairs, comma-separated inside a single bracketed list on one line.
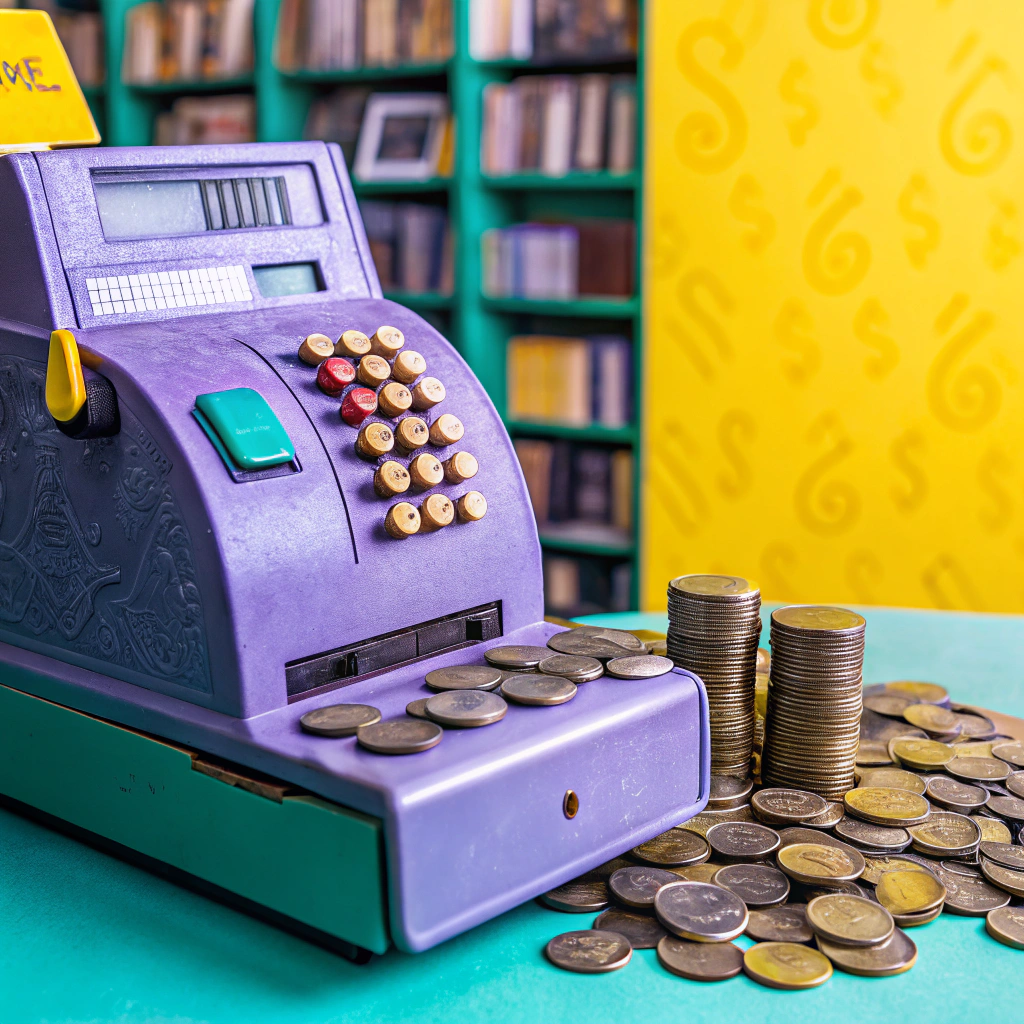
[(374, 440), (353, 344), (464, 677), (466, 709), (426, 471), (538, 690), (642, 666), (428, 393), (460, 467), (357, 404), (589, 952), (436, 512), (335, 375), (400, 736), (373, 371), (411, 433), (386, 342), (471, 507), (700, 911), (408, 365), (516, 656), (338, 719), (446, 429), (393, 399), (579, 670), (391, 479), (315, 348), (403, 520)]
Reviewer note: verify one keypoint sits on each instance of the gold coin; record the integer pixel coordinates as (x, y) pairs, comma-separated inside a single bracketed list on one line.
[(925, 755), (931, 718), (909, 892), (992, 830), (811, 862), (894, 956), (849, 920), (697, 872), (913, 920), (786, 965), (873, 752), (924, 693), (1006, 925), (876, 866), (975, 748), (886, 806), (891, 778)]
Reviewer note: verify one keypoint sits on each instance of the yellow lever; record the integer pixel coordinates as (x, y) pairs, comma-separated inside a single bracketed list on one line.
[(65, 382)]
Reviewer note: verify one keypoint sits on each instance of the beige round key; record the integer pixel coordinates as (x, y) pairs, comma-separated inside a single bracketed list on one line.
[(393, 399), (386, 341), (391, 479), (403, 520), (374, 440), (352, 344), (436, 512), (426, 471), (408, 365), (411, 433), (428, 393), (446, 429), (471, 507), (373, 371), (460, 467), (315, 348)]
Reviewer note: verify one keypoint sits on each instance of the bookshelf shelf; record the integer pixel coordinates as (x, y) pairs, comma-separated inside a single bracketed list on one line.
[(611, 62), (368, 74), (94, 92), (598, 181), (421, 300), (595, 432), (188, 88), (394, 188), (582, 546), (597, 308)]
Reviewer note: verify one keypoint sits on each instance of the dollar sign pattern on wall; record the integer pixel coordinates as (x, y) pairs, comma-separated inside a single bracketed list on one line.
[(870, 325), (835, 262), (887, 89), (841, 24), (793, 90), (827, 506), (925, 239), (746, 205)]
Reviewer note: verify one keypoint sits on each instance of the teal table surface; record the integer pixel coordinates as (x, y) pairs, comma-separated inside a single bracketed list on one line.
[(87, 938)]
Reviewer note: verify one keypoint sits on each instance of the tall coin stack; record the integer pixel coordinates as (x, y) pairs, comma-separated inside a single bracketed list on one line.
[(812, 725), (713, 628)]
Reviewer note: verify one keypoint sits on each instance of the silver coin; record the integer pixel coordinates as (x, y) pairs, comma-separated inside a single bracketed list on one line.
[(1011, 752), (710, 587), (970, 895), (758, 885), (740, 840), (338, 719), (400, 736), (464, 677), (829, 818), (955, 795), (1005, 878), (418, 708), (641, 666), (786, 923), (538, 689), (873, 838), (642, 930), (978, 769), (596, 642), (700, 961), (778, 806), (728, 791), (638, 885), (1004, 854), (674, 848), (700, 911), (572, 666), (578, 897), (1010, 808), (516, 656), (589, 952), (466, 709), (1015, 784)]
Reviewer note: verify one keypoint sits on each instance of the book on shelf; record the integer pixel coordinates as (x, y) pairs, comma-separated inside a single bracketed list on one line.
[(81, 35), (187, 41), (574, 382), (196, 120), (588, 257), (337, 117), (585, 586), (555, 124), (343, 35), (411, 244)]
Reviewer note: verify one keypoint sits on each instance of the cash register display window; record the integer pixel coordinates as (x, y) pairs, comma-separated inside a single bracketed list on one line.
[(287, 279)]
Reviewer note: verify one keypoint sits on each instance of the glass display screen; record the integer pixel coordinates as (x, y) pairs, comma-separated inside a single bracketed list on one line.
[(150, 209), (287, 279)]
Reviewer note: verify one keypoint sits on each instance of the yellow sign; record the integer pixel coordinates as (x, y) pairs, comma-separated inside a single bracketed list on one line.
[(41, 103), (835, 314)]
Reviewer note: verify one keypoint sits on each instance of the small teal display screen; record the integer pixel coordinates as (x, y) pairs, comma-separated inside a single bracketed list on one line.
[(287, 279)]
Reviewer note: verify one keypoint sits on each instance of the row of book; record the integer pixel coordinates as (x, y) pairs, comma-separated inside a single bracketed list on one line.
[(199, 120), (575, 382), (327, 35), (187, 41), (549, 29), (585, 586), (594, 256), (411, 244), (559, 123), (81, 34)]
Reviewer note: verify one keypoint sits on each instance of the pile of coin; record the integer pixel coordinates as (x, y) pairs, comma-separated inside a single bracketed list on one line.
[(812, 722), (713, 631)]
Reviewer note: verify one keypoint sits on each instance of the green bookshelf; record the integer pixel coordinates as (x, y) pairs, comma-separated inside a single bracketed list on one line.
[(479, 326)]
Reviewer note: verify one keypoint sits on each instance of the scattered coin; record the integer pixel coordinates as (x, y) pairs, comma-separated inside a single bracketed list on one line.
[(896, 955), (812, 863), (737, 840), (466, 709), (418, 708), (974, 725), (875, 838), (639, 666), (1009, 807), (758, 885), (589, 952), (596, 642), (674, 848), (924, 755), (399, 736), (574, 667), (1011, 753), (578, 897), (1006, 925), (338, 719), (891, 778), (604, 871), (978, 769), (776, 806), (798, 834), (702, 822), (849, 920), (888, 704), (955, 795), (992, 829), (464, 677), (516, 656), (1003, 854), (922, 693), (946, 834), (729, 791), (967, 892), (698, 872), (701, 912), (637, 886), (804, 893), (700, 961), (829, 818), (540, 690), (904, 892), (916, 920), (934, 719), (786, 923), (1015, 783), (883, 806), (642, 930), (1008, 879), (786, 965), (876, 866)]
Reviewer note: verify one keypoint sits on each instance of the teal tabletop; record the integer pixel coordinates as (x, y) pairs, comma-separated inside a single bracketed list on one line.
[(87, 938)]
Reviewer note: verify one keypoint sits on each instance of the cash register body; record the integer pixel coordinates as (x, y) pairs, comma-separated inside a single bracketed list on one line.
[(143, 582)]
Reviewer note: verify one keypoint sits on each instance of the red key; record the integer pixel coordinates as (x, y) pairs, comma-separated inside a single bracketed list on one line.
[(334, 375), (357, 405)]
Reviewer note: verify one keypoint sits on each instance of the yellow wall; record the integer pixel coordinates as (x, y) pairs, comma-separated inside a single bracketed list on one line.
[(835, 318)]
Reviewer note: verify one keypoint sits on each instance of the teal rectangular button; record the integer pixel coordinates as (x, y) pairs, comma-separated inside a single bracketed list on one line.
[(247, 427)]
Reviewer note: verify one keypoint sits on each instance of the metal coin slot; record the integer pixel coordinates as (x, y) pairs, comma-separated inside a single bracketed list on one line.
[(570, 804)]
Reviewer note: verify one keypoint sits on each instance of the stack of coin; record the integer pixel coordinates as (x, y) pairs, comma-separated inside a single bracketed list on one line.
[(812, 726), (714, 626)]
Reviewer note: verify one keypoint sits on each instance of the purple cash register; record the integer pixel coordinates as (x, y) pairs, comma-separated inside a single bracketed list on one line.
[(192, 547)]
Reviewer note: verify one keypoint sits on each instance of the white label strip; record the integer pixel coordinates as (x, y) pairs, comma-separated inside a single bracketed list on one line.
[(169, 289)]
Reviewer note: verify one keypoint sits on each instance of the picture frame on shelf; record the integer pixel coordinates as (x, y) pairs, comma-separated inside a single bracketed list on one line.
[(402, 137)]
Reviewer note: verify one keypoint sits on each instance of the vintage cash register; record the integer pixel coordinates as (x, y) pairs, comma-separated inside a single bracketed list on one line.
[(196, 549)]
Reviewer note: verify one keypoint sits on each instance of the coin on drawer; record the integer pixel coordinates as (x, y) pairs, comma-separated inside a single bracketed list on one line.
[(315, 348), (426, 471), (408, 365), (374, 440), (386, 341), (428, 393), (471, 507), (411, 433), (437, 511), (394, 399), (460, 467), (373, 371), (403, 520), (352, 344), (391, 479), (446, 429)]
